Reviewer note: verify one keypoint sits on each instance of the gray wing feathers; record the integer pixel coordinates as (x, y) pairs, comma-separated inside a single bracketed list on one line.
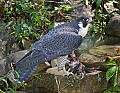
[(62, 44), (55, 31), (51, 46)]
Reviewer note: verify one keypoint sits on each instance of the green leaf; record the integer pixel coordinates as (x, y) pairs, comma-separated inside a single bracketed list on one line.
[(24, 42), (46, 20), (116, 77), (25, 25), (31, 11), (8, 24), (111, 63), (18, 29), (28, 88), (116, 88), (107, 91), (16, 74), (119, 69), (4, 80), (98, 3), (110, 72), (6, 9), (11, 90)]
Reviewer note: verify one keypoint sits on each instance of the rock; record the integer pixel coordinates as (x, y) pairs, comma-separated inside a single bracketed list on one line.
[(105, 50), (117, 5), (13, 58), (110, 6), (87, 43), (2, 67), (113, 27), (55, 71), (2, 49), (89, 84), (18, 55), (112, 30), (96, 57), (5, 64), (80, 9), (111, 40)]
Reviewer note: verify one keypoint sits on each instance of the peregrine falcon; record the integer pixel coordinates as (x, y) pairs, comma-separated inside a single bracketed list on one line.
[(60, 41)]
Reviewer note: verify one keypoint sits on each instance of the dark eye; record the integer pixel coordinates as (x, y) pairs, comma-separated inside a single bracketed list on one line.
[(85, 19)]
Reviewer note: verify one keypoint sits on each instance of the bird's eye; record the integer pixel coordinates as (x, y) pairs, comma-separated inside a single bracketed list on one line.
[(85, 19)]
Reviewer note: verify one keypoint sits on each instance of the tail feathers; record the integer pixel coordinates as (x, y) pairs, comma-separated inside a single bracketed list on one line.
[(26, 74), (28, 65)]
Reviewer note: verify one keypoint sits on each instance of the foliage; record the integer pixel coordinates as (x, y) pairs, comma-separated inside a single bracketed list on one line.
[(7, 87), (62, 11), (101, 17), (27, 20), (113, 74), (64, 8), (12, 87), (97, 30)]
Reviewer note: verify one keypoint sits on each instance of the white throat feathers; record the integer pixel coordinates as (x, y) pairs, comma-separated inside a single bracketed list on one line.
[(82, 30)]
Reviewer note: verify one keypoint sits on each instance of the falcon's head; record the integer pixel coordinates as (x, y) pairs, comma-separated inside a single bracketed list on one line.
[(84, 23)]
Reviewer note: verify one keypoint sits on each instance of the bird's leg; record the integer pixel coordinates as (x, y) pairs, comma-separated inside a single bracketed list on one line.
[(58, 66), (61, 63)]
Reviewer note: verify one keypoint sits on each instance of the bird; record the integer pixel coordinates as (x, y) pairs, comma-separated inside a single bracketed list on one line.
[(59, 41)]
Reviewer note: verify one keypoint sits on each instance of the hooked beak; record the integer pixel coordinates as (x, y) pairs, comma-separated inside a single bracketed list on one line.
[(90, 22)]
